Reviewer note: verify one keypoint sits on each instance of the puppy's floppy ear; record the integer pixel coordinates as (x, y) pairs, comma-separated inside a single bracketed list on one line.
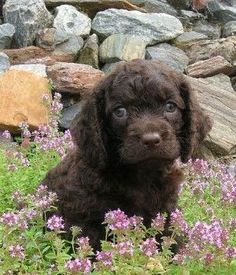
[(87, 129), (196, 123)]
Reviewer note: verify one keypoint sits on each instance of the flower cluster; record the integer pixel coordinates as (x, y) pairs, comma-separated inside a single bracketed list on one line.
[(83, 266), (17, 251), (104, 260), (149, 247), (124, 248), (55, 223), (159, 222), (117, 220), (178, 223)]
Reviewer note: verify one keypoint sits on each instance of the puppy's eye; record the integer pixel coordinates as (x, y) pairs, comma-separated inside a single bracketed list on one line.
[(170, 107), (120, 112)]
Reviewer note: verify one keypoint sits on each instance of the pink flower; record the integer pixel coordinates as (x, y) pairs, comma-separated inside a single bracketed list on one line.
[(149, 247), (177, 222), (117, 220), (230, 252), (135, 221), (124, 248), (9, 219), (159, 222), (79, 265), (17, 251), (6, 134), (55, 223), (104, 258)]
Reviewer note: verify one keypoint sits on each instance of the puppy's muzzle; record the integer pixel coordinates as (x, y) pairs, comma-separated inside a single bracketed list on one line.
[(150, 140)]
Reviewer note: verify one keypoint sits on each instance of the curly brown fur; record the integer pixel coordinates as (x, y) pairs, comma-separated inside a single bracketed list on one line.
[(138, 121)]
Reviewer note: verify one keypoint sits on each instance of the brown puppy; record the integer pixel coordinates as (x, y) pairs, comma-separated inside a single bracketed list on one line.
[(137, 122)]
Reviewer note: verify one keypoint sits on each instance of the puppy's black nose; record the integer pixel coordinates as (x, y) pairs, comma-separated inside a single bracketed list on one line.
[(151, 139)]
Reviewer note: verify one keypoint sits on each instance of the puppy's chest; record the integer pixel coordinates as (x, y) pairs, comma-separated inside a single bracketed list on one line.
[(140, 196)]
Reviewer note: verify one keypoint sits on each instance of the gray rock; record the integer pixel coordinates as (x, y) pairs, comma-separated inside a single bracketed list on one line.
[(6, 34), (110, 67), (4, 63), (205, 49), (154, 27), (213, 31), (172, 56), (89, 53), (38, 69), (71, 46), (184, 40), (28, 17), (60, 36), (121, 47), (222, 81), (68, 114), (46, 39), (189, 17), (222, 11), (180, 4), (161, 6), (137, 2), (70, 21), (229, 29)]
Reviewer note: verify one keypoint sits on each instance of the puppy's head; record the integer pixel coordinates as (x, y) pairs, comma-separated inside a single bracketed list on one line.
[(142, 111)]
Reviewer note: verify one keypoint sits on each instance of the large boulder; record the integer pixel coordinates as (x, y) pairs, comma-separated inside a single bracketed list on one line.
[(28, 17), (22, 100), (6, 34), (72, 22), (73, 78), (119, 47), (172, 56), (219, 103), (153, 27)]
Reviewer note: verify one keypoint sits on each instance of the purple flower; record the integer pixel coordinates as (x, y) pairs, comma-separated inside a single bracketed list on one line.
[(117, 220), (135, 221), (83, 244), (6, 134), (177, 222), (79, 265), (230, 252), (228, 191), (124, 248), (17, 251), (104, 259), (159, 222), (42, 190), (55, 223), (9, 219), (149, 247)]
